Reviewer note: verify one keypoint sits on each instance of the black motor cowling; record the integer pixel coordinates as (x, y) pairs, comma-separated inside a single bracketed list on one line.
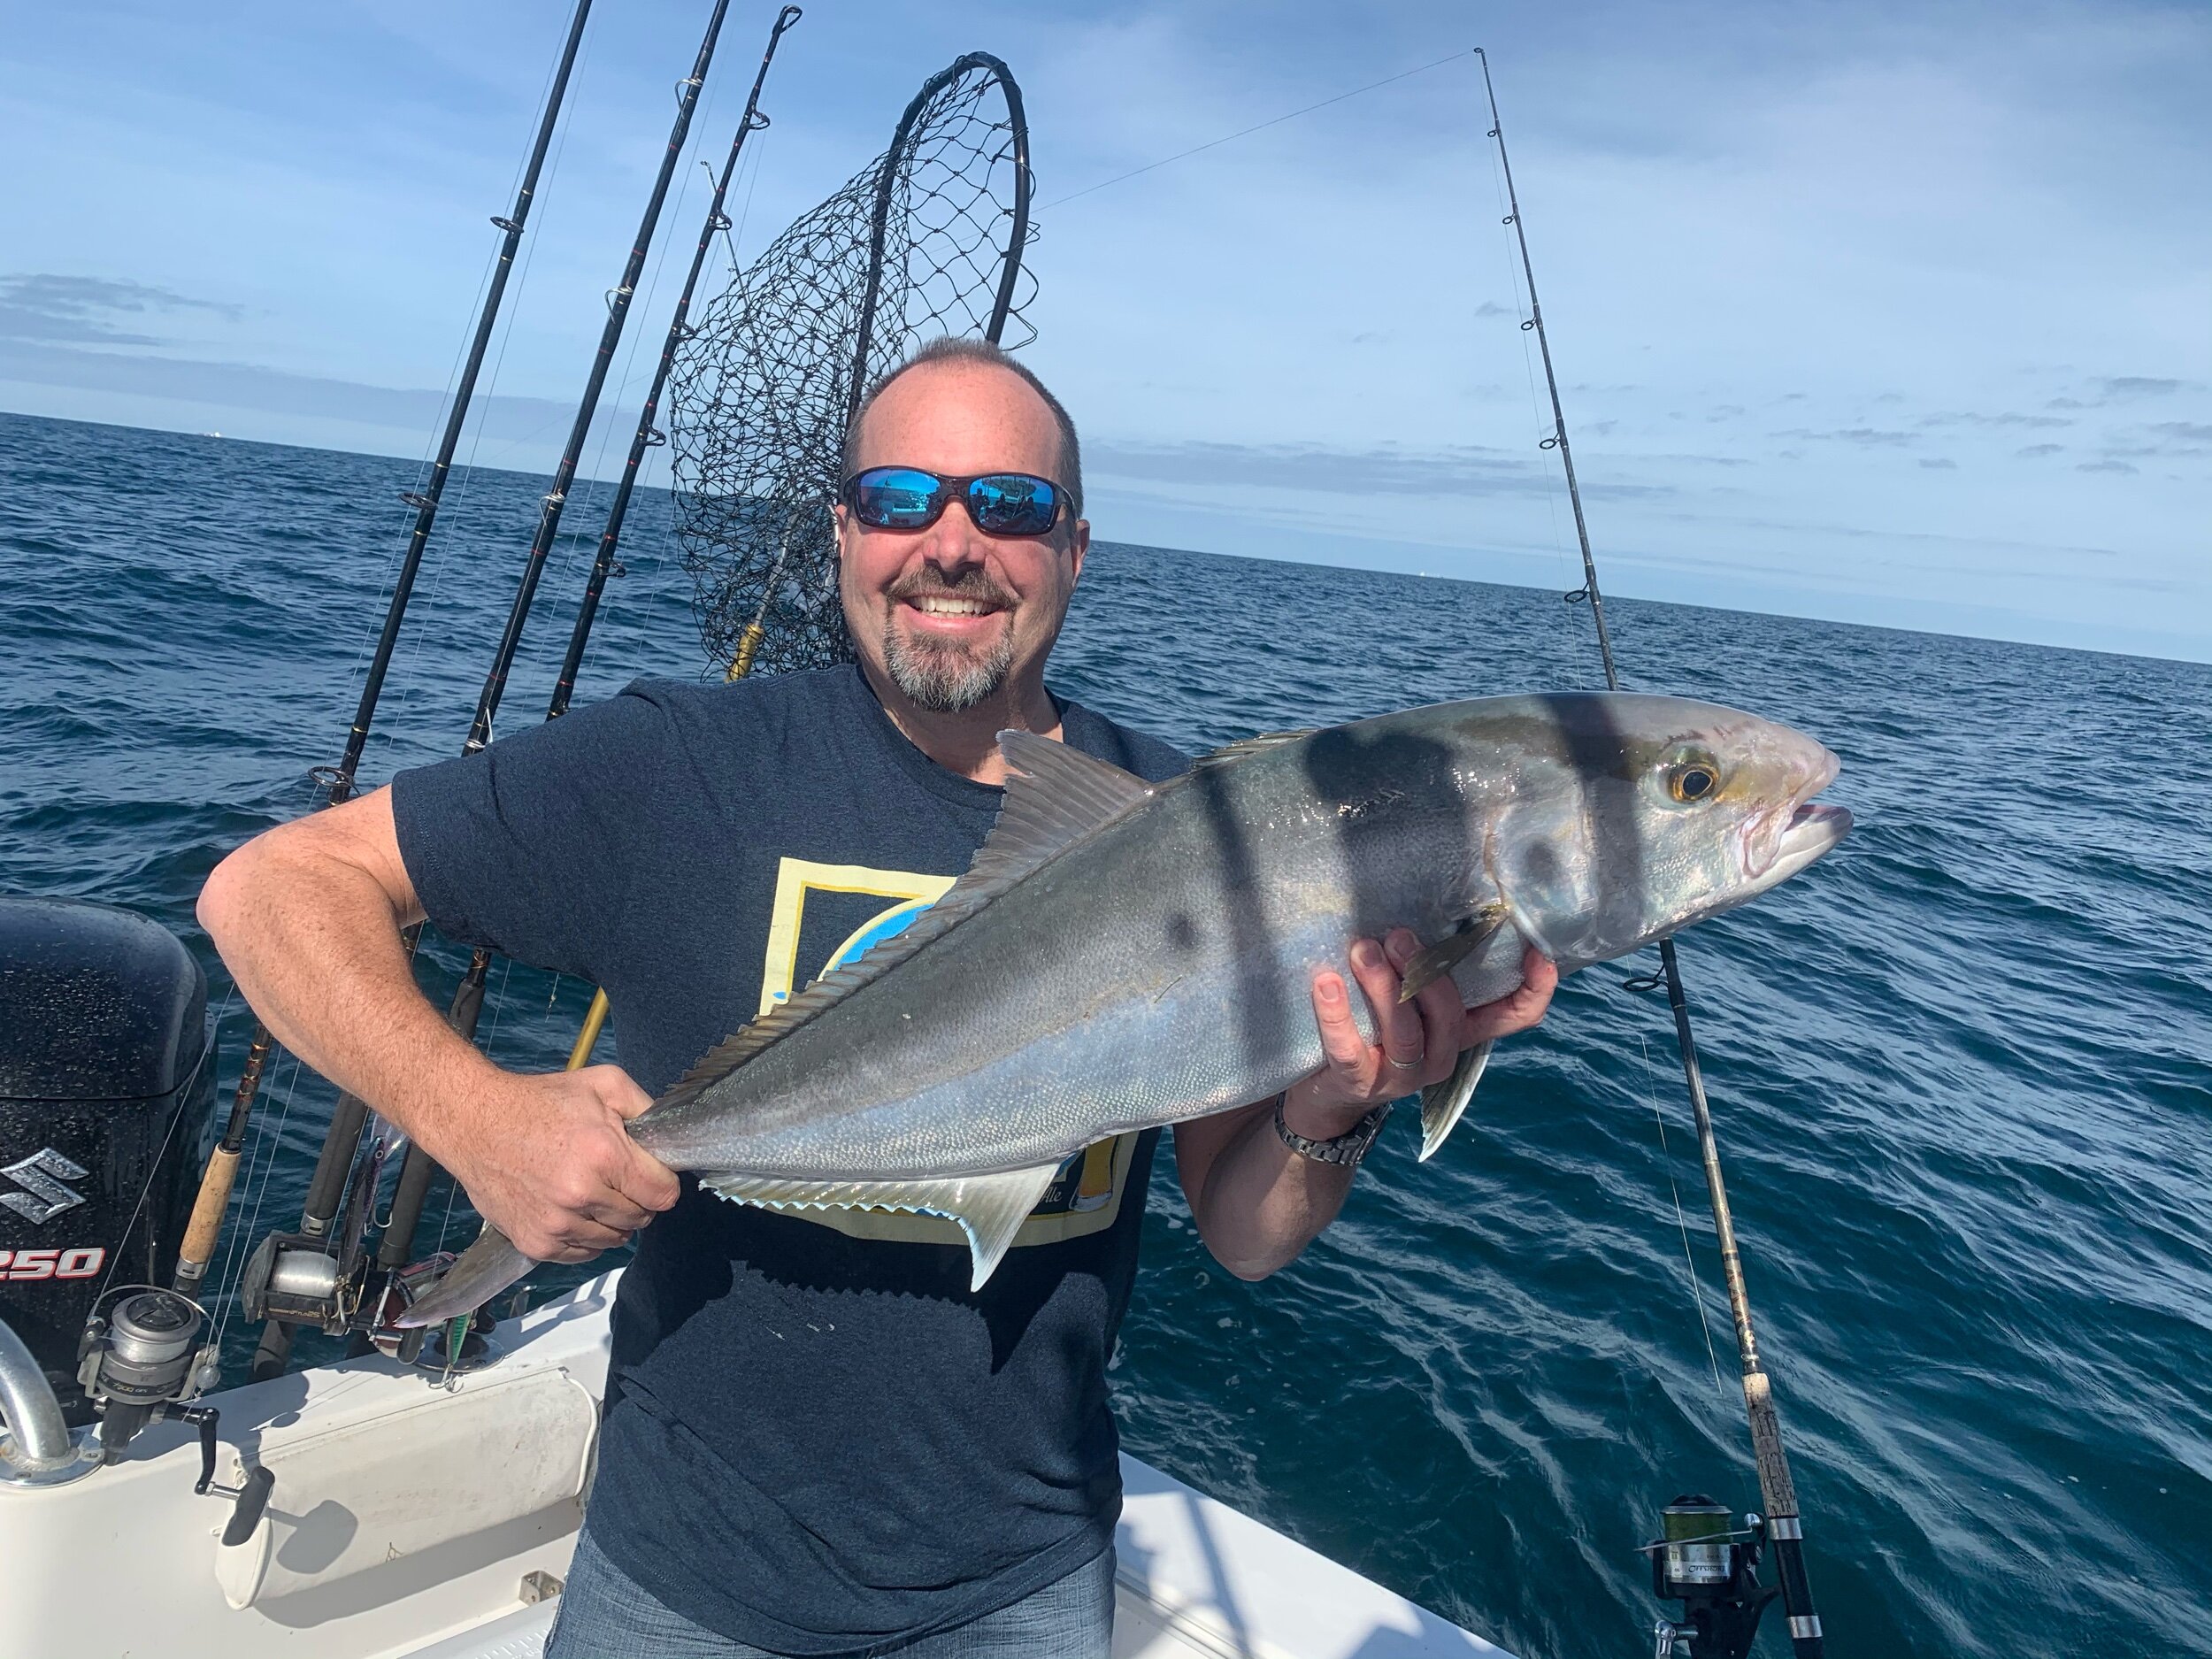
[(107, 1076)]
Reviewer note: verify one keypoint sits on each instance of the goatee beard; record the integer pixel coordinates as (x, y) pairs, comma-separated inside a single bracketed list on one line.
[(945, 678)]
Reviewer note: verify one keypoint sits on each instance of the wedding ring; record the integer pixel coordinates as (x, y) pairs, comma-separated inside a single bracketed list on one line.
[(1403, 1065)]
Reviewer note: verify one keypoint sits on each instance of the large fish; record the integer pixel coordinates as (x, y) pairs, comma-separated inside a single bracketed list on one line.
[(1123, 955)]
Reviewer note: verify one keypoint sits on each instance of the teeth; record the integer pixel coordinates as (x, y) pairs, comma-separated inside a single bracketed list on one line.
[(935, 605)]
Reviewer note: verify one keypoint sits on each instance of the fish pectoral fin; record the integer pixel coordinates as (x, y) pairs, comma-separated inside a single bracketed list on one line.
[(990, 1209), (1432, 963), (1441, 1103)]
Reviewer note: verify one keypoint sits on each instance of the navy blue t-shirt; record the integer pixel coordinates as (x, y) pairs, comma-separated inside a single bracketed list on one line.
[(817, 1438)]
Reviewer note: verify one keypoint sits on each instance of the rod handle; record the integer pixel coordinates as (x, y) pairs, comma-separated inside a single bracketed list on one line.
[(747, 644), (206, 1225), (588, 1039)]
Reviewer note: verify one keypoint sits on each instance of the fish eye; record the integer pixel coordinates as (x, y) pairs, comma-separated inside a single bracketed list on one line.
[(1693, 779)]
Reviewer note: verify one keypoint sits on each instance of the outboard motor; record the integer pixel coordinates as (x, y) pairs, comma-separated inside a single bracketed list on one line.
[(107, 1077)]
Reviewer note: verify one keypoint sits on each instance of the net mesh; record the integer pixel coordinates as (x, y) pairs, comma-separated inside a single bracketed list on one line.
[(916, 244)]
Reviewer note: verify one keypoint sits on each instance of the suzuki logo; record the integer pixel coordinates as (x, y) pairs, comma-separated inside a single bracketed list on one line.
[(41, 1176)]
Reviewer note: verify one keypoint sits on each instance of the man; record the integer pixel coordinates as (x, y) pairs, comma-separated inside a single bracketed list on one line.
[(817, 1439)]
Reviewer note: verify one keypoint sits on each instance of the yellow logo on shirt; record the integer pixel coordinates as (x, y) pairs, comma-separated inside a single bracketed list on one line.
[(1084, 1195)]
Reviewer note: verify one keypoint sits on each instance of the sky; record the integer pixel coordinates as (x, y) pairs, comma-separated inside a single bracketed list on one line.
[(1888, 313)]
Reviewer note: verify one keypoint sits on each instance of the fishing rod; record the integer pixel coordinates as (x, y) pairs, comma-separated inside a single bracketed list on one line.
[(416, 1168), (337, 782), (1701, 1562), (648, 435), (326, 1293), (618, 312), (396, 1248)]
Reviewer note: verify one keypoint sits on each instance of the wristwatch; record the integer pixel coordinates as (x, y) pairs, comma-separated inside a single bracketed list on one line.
[(1347, 1149)]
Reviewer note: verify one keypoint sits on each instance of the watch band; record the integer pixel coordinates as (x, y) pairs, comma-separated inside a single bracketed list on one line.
[(1345, 1150)]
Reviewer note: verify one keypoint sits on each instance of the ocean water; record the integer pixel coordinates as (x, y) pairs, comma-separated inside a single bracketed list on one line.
[(1962, 1071)]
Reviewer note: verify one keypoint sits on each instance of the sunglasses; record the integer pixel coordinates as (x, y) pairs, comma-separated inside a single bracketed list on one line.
[(908, 498)]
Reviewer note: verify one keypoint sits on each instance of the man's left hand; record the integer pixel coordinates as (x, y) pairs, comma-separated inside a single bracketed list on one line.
[(1420, 1040)]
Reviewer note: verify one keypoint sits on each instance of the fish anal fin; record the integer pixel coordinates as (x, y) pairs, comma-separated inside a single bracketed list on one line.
[(1432, 963), (990, 1209), (1441, 1103)]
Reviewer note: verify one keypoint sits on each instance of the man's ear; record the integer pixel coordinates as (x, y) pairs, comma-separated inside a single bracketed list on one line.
[(1079, 544)]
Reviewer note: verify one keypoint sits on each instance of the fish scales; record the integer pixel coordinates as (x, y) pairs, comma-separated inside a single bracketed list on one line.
[(1152, 966), (1126, 956)]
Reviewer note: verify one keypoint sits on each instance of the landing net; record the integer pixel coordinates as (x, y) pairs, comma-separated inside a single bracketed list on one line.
[(926, 239)]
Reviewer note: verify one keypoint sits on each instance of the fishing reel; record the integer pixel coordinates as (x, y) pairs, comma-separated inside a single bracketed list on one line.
[(1713, 1571), (140, 1363), (294, 1277)]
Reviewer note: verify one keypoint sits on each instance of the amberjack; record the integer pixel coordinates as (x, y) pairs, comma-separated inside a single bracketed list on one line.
[(1123, 955)]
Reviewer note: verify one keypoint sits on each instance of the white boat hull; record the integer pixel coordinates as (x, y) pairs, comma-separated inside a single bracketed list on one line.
[(420, 1519)]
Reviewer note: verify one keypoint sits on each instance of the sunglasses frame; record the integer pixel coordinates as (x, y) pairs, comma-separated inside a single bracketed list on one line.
[(950, 489)]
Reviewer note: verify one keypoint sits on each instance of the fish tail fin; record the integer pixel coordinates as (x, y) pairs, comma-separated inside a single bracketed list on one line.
[(485, 1269)]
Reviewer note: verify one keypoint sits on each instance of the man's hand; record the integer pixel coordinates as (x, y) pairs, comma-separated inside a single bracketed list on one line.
[(1256, 1202), (546, 1160), (1421, 1040)]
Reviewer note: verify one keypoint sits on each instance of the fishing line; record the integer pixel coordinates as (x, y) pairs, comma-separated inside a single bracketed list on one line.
[(1681, 1220), (595, 481), (176, 1116), (732, 239), (1215, 143), (272, 1140)]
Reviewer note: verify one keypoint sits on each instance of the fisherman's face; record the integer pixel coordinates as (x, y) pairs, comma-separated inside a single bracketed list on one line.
[(946, 614)]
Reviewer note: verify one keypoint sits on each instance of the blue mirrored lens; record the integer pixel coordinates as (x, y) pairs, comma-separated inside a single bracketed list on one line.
[(896, 497), (1013, 504)]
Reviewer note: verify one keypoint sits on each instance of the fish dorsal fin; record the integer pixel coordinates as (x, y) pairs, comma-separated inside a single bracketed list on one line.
[(990, 1209), (1230, 753), (1055, 796)]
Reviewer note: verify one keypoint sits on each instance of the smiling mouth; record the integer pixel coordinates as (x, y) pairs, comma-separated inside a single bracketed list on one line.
[(947, 605)]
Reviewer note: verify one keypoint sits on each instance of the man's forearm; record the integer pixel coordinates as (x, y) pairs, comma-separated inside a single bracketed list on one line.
[(308, 918), (313, 943), (1263, 1202)]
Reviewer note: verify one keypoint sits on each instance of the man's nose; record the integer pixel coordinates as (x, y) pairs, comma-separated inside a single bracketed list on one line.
[(952, 543)]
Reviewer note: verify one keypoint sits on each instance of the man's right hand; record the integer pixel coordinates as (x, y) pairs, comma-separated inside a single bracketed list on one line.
[(546, 1159)]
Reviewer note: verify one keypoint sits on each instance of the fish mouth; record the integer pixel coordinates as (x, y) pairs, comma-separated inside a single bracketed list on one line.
[(1785, 841), (1812, 834)]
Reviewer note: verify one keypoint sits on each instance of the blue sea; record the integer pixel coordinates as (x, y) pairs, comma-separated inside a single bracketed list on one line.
[(1962, 1071)]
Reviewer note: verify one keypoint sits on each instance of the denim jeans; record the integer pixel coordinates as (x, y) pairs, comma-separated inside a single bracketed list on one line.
[(605, 1614)]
